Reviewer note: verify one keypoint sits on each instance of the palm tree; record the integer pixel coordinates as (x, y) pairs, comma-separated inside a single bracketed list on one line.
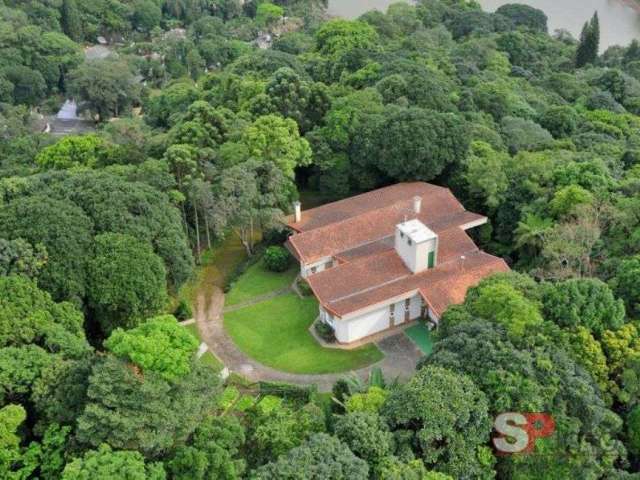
[(530, 233)]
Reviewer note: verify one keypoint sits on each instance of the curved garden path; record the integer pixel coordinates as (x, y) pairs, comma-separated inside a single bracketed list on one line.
[(400, 353)]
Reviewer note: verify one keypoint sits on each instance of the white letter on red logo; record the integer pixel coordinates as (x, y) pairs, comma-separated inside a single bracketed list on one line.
[(508, 425)]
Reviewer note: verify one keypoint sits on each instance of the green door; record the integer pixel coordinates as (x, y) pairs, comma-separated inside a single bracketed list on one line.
[(432, 259)]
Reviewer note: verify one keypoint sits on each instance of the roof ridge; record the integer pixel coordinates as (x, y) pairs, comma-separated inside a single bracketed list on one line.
[(389, 282)]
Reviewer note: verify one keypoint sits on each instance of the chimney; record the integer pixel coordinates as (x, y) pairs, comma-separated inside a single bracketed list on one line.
[(297, 215), (417, 204)]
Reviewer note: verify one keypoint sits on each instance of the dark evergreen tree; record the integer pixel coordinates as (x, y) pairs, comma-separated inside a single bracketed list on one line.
[(71, 23), (589, 42)]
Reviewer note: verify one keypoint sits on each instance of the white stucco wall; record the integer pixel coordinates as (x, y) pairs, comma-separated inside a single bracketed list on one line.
[(373, 321), (415, 255)]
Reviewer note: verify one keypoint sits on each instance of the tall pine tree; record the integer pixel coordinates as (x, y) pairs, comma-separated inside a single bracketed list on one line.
[(71, 23), (589, 45)]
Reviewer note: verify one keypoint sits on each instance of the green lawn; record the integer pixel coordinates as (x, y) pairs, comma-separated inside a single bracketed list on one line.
[(275, 333), (256, 281)]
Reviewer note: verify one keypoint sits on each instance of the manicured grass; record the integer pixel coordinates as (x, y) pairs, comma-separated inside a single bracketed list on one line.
[(275, 333), (421, 336), (256, 281)]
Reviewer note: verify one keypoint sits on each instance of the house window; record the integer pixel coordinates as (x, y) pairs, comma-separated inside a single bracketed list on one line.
[(407, 304), (401, 235), (432, 259), (329, 264), (314, 269), (392, 310), (409, 241)]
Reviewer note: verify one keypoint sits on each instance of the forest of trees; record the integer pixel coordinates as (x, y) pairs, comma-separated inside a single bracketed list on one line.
[(200, 133)]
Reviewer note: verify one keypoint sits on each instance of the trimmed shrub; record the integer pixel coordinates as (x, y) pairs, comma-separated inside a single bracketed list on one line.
[(325, 332), (298, 394), (277, 259)]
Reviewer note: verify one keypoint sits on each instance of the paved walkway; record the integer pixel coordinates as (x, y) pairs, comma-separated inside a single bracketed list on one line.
[(401, 354)]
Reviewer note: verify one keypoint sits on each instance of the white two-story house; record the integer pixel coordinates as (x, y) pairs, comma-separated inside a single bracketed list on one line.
[(384, 258)]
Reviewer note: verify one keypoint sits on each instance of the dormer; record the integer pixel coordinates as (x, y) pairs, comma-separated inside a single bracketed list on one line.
[(417, 245)]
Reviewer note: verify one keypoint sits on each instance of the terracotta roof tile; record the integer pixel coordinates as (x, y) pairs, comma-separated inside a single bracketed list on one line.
[(359, 204), (359, 233), (440, 211), (445, 285), (356, 277)]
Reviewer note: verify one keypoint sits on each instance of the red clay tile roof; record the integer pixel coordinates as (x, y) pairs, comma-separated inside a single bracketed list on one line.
[(359, 204), (359, 233), (355, 227), (442, 286)]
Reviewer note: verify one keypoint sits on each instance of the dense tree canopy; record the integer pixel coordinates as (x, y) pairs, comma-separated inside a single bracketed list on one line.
[(195, 134)]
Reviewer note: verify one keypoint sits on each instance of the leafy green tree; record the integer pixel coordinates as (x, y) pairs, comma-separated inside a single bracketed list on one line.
[(561, 121), (250, 196), (74, 151), (11, 417), (63, 229), (104, 463), (566, 200), (417, 144), (292, 97), (321, 457), (621, 346), (583, 302), (28, 316), (393, 469), (633, 430), (268, 14), (524, 16), (130, 410), (521, 134), (276, 431), (438, 407), (274, 139), (370, 400), (625, 283), (366, 435), (504, 304), (106, 88), (118, 204), (162, 110), (18, 257), (29, 86), (147, 15), (515, 379), (277, 259), (159, 345), (126, 281), (213, 452), (338, 37), (485, 175)]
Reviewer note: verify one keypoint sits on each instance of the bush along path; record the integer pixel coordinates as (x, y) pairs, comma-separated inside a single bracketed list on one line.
[(208, 313)]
